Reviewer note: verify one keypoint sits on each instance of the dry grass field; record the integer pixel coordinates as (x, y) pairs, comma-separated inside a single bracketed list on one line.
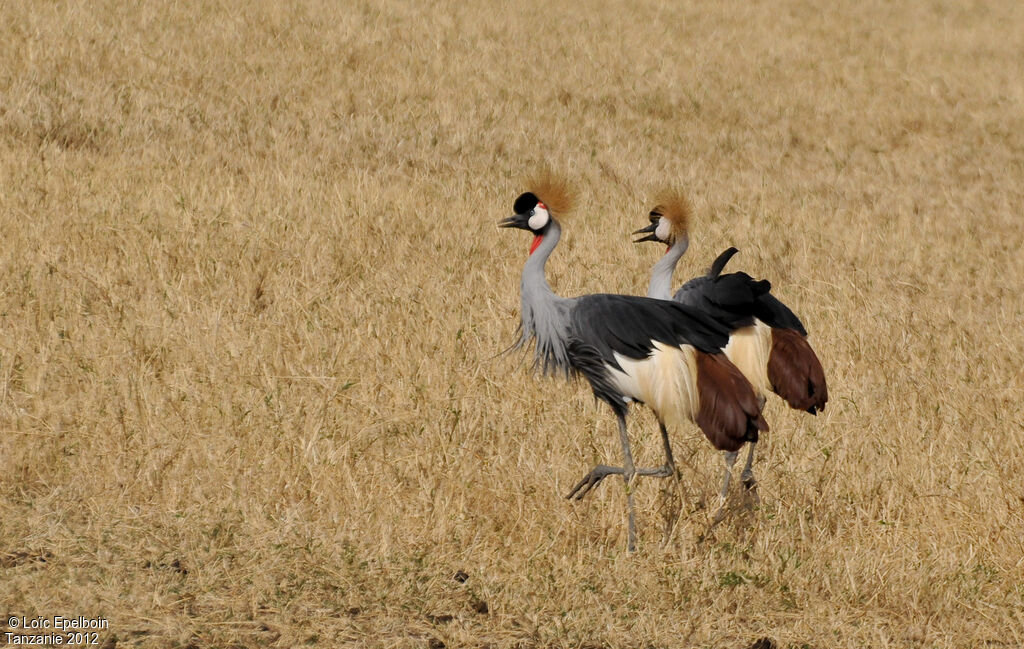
[(252, 293)]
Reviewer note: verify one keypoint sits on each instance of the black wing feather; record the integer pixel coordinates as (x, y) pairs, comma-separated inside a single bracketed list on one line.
[(631, 325), (736, 298), (731, 299), (774, 313)]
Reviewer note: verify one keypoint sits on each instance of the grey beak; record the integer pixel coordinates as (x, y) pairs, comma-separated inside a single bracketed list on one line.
[(520, 221), (650, 237)]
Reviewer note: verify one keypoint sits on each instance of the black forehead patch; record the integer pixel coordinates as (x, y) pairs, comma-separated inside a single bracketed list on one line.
[(654, 215), (525, 203)]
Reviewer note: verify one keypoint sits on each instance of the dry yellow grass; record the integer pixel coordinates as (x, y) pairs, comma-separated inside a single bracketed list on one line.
[(251, 287)]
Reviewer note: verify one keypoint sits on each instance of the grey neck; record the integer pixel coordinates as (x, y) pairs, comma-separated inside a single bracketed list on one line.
[(660, 287), (544, 316)]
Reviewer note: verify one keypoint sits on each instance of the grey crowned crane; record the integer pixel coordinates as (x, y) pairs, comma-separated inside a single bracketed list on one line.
[(629, 349), (767, 342)]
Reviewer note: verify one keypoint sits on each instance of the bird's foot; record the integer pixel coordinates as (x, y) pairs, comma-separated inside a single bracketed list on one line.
[(657, 472), (592, 479), (602, 471)]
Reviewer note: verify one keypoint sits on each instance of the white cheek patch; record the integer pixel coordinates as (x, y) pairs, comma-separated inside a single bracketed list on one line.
[(662, 230), (540, 218)]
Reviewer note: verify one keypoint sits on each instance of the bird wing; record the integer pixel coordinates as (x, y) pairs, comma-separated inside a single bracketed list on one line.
[(731, 299), (630, 326), (771, 311), (737, 298)]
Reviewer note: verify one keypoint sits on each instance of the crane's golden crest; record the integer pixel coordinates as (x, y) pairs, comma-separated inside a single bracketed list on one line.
[(557, 194), (673, 205)]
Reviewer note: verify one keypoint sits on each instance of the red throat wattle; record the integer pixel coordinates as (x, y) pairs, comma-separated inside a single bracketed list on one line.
[(667, 248), (536, 242)]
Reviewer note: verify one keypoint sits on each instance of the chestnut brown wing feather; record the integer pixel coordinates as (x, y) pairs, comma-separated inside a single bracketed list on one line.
[(795, 372), (728, 410)]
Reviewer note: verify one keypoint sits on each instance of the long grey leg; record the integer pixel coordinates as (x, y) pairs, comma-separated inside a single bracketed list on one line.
[(671, 512), (602, 471), (747, 477), (670, 463), (730, 460), (627, 477)]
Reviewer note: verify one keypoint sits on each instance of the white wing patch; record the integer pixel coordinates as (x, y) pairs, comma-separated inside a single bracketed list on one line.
[(748, 349), (666, 381)]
